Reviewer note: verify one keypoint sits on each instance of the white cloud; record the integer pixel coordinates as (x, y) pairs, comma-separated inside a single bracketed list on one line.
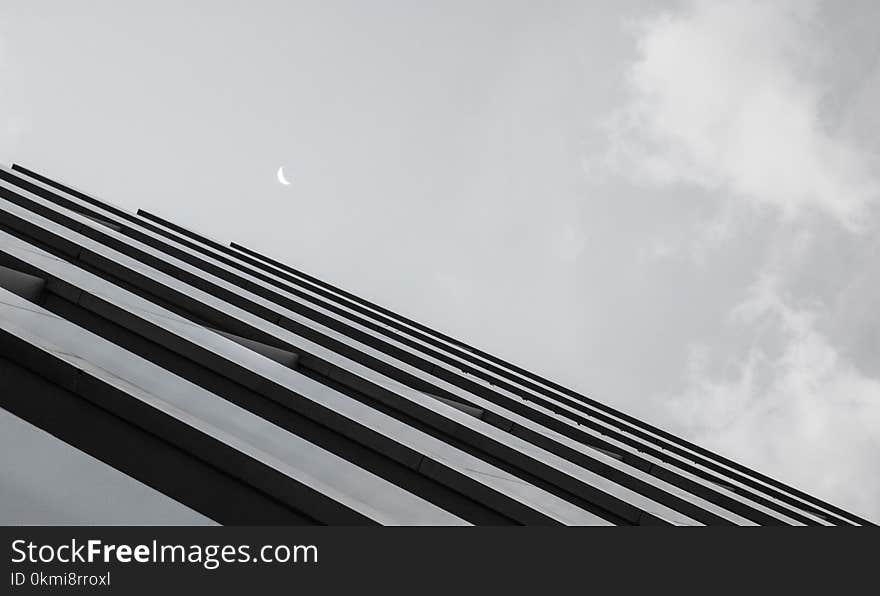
[(790, 406), (731, 97), (727, 96), (704, 239)]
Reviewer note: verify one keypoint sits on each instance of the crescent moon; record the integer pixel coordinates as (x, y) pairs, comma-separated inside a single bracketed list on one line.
[(281, 178)]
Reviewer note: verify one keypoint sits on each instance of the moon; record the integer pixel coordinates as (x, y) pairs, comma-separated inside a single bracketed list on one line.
[(281, 178)]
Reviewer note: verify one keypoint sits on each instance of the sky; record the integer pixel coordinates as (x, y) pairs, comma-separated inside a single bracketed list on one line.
[(669, 206)]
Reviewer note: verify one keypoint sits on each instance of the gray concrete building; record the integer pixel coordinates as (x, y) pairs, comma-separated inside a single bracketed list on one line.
[(150, 375)]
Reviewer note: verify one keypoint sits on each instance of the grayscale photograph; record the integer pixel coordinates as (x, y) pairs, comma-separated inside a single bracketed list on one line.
[(436, 263)]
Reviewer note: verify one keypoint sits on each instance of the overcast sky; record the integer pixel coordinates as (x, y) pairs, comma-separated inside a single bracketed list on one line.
[(669, 206)]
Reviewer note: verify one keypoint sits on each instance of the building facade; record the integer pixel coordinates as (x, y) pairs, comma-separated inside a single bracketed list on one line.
[(248, 392)]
